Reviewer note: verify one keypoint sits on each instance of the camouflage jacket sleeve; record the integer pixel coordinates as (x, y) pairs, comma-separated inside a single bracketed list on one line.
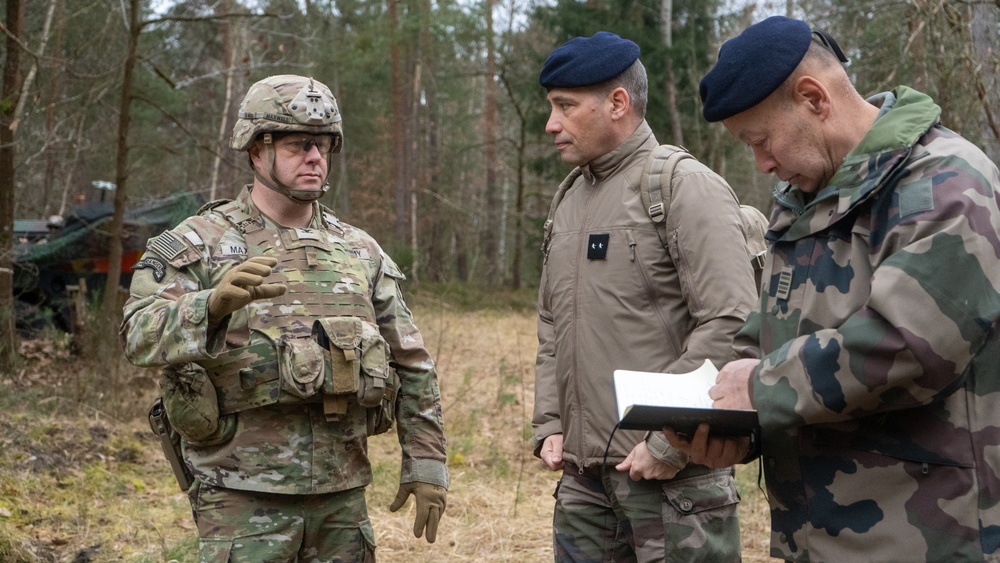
[(887, 311), (545, 420), (419, 418), (166, 317)]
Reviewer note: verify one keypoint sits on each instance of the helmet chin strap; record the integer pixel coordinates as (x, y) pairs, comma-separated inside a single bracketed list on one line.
[(301, 196)]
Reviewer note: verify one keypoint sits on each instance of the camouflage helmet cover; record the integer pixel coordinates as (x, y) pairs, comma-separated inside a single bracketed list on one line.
[(287, 102)]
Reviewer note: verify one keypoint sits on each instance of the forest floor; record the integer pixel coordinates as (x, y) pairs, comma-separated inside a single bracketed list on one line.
[(82, 479)]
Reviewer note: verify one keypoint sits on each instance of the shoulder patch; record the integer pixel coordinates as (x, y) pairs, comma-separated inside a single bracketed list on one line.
[(211, 205), (916, 197), (391, 269), (167, 244), (158, 266)]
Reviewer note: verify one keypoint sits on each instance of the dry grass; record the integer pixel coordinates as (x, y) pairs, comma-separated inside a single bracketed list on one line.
[(82, 483)]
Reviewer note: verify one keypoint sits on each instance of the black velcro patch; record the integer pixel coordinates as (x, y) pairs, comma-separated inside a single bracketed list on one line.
[(597, 247), (158, 266)]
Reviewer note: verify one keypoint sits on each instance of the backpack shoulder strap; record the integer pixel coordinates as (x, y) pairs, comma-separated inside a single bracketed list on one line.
[(656, 187), (754, 225), (556, 200)]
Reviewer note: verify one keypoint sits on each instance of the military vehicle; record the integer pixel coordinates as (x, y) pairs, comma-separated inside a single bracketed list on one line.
[(54, 258)]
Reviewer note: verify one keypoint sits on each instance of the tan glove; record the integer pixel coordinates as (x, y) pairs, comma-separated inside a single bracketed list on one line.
[(241, 285), (431, 502)]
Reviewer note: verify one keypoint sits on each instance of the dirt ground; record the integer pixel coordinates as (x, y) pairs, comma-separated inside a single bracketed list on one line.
[(81, 479)]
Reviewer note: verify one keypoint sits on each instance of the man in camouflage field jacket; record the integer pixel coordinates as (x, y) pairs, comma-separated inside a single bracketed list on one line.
[(286, 343), (878, 378)]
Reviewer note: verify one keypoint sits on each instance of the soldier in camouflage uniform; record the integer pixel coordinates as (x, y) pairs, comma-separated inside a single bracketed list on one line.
[(287, 343), (612, 297), (877, 379)]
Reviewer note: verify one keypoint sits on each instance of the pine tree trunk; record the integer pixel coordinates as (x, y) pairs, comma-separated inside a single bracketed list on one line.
[(9, 92)]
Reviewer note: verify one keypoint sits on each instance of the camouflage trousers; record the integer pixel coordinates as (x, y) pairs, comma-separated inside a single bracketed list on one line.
[(603, 516), (247, 526)]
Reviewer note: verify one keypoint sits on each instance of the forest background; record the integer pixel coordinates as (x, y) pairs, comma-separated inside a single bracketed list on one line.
[(446, 161)]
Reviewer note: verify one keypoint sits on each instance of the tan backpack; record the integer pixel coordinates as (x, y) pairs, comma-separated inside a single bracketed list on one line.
[(656, 193)]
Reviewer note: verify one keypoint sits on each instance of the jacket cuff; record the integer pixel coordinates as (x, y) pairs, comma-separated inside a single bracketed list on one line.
[(194, 321), (426, 471), (544, 431), (661, 449)]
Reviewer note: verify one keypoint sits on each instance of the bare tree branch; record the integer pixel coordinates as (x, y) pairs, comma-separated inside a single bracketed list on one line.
[(25, 48)]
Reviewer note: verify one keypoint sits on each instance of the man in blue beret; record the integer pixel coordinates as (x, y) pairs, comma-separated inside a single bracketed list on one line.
[(875, 368), (613, 296)]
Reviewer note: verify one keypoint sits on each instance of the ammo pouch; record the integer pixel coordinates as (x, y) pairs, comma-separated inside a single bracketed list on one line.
[(301, 366), (359, 361), (192, 406)]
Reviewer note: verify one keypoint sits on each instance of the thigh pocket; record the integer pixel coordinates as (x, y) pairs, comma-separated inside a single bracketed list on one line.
[(713, 492), (368, 537), (214, 550), (700, 521)]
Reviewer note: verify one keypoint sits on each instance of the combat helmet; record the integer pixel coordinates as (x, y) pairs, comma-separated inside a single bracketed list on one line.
[(283, 104)]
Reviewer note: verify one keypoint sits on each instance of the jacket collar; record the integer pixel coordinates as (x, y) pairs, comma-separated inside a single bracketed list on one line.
[(608, 164), (250, 208), (905, 116)]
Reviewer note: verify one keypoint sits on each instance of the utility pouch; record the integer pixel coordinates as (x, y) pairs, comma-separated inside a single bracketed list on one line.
[(190, 402), (374, 366), (301, 366), (380, 418), (342, 337), (359, 358)]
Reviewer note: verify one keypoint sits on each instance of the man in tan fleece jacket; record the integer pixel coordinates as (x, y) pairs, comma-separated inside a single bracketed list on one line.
[(613, 297)]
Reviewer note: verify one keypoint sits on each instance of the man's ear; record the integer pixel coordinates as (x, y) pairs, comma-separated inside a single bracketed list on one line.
[(814, 94), (253, 154), (621, 103)]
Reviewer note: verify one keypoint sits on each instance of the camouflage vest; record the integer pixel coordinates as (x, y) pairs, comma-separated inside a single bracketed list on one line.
[(318, 341)]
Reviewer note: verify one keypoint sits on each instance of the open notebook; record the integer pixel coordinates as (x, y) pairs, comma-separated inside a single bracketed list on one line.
[(650, 401)]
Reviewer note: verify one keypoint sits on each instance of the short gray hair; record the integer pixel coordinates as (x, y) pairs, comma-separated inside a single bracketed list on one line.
[(634, 81)]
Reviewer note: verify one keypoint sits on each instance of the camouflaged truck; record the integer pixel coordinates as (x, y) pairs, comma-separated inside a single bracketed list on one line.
[(54, 259)]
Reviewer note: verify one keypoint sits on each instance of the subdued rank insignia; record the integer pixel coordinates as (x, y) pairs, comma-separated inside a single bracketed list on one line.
[(597, 247), (158, 266), (784, 283)]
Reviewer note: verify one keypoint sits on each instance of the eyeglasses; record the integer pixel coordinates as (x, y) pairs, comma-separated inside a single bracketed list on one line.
[(299, 145)]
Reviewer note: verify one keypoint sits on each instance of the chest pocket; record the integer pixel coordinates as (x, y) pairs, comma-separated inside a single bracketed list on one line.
[(809, 276)]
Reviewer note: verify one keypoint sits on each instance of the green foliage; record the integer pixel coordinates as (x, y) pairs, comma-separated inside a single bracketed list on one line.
[(67, 133)]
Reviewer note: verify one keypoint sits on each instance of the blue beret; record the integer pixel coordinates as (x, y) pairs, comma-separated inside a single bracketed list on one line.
[(752, 65), (584, 61)]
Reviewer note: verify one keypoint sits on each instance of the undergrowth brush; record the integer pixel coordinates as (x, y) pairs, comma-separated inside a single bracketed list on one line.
[(82, 478)]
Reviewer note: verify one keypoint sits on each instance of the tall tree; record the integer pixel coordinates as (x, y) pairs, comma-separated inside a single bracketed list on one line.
[(399, 115), (669, 80), (226, 34), (110, 307), (9, 93), (489, 238)]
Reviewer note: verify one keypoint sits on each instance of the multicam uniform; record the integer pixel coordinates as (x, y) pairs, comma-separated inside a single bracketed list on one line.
[(287, 427), (611, 298), (879, 389)]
